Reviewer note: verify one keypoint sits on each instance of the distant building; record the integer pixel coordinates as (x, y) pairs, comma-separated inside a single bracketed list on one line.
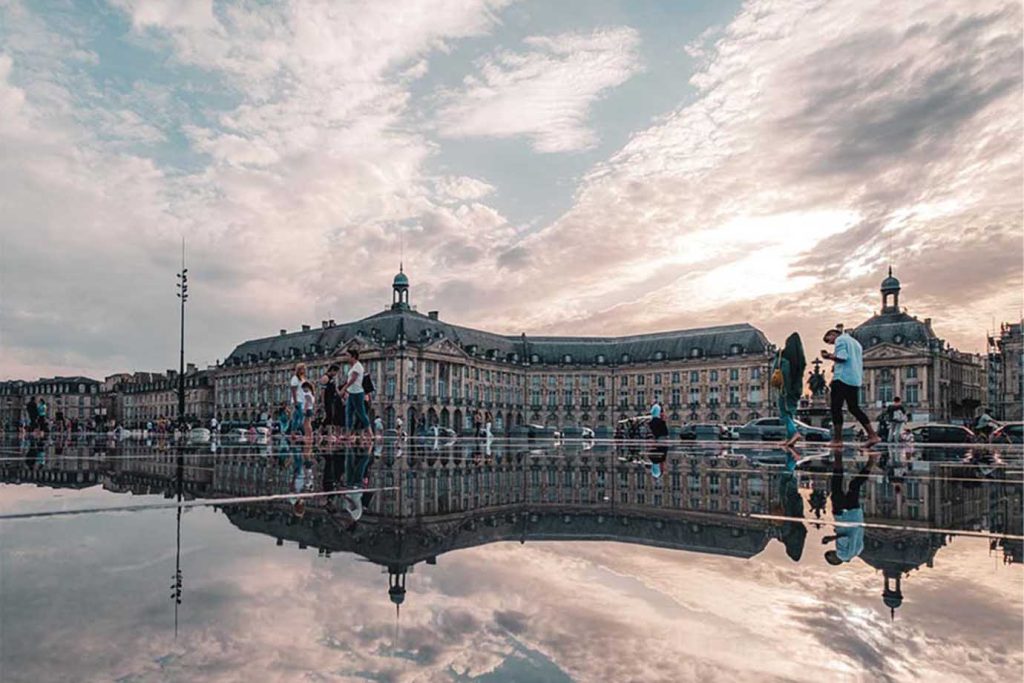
[(148, 397), (1006, 373), (76, 398), (430, 370), (904, 357)]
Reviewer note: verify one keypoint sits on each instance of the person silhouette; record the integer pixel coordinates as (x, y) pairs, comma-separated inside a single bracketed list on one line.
[(846, 507)]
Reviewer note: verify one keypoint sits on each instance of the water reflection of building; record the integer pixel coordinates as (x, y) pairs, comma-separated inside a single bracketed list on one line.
[(466, 496)]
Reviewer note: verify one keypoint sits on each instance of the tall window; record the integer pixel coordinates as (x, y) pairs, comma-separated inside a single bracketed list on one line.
[(755, 374), (911, 372), (600, 398), (624, 381), (694, 377), (713, 376), (552, 399), (657, 378), (640, 398), (734, 374), (734, 395), (675, 377), (910, 394), (640, 380), (567, 397), (675, 396), (389, 387), (535, 397)]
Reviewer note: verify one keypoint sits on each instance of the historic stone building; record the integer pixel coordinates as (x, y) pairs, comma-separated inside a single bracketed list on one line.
[(430, 370), (903, 356), (1006, 373), (149, 397), (76, 398)]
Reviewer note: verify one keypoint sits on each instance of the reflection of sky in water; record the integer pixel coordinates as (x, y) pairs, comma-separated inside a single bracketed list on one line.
[(92, 603)]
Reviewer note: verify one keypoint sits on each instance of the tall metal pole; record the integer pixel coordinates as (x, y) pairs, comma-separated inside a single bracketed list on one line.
[(183, 296)]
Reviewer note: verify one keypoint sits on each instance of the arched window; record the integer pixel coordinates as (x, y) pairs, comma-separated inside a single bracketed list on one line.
[(695, 352), (600, 358), (625, 358)]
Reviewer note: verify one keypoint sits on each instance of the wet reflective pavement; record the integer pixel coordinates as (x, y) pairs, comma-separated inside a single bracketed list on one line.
[(150, 560)]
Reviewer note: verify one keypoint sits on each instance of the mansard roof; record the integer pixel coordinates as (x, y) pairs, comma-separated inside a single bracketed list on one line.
[(387, 327)]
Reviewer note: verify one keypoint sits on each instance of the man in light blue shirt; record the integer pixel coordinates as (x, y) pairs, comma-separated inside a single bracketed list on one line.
[(847, 376)]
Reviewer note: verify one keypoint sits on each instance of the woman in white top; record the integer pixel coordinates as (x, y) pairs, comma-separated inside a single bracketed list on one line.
[(297, 400), (356, 419)]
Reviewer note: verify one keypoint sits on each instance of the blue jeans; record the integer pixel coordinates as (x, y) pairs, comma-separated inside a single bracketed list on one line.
[(787, 412), (355, 411), (297, 420)]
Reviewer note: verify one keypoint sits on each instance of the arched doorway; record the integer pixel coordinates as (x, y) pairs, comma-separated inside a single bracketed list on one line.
[(444, 417), (411, 426), (389, 417), (457, 422), (431, 417), (499, 422)]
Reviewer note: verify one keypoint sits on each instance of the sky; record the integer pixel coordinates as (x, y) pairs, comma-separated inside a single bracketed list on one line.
[(585, 167)]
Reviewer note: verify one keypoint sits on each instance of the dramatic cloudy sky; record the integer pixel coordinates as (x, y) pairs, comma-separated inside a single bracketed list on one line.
[(589, 166)]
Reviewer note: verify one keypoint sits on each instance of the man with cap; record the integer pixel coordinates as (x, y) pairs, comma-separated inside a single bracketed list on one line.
[(847, 377)]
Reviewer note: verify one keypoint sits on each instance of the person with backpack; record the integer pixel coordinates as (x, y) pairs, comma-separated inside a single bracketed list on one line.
[(896, 417), (787, 380)]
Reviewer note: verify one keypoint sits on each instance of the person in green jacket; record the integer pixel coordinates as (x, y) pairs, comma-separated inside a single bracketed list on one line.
[(791, 362)]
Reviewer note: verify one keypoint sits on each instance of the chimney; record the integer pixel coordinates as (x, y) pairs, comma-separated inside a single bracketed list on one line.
[(432, 315), (330, 323), (323, 324), (928, 323), (190, 367), (305, 328), (284, 332)]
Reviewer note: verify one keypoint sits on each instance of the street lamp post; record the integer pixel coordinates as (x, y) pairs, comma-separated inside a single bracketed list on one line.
[(183, 296)]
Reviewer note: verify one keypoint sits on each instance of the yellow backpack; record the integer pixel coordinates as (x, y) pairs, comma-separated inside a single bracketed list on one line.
[(777, 379)]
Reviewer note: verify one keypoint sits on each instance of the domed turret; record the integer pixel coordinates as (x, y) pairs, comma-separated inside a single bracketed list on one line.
[(400, 291), (890, 287)]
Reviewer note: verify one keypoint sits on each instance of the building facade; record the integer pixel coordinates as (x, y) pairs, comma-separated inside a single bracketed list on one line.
[(74, 398), (147, 397), (1006, 373), (903, 356), (428, 371)]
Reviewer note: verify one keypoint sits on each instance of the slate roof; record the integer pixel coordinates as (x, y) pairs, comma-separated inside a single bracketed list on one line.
[(885, 327), (418, 329)]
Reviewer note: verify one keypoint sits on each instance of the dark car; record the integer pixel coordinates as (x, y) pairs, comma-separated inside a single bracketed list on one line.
[(704, 432), (1011, 432), (942, 434), (772, 429)]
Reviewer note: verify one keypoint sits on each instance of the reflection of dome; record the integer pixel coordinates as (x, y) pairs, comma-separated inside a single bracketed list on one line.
[(397, 594), (892, 600)]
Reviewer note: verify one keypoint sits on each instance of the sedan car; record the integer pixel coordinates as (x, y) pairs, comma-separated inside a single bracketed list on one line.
[(705, 432), (942, 433), (772, 429)]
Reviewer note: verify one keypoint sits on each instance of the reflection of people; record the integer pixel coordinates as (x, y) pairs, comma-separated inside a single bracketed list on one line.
[(897, 417), (794, 533), (846, 508)]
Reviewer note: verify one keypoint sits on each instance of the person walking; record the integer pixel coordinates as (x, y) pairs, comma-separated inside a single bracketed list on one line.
[(298, 416), (352, 394), (32, 412), (847, 377), (41, 412), (897, 417), (400, 427), (787, 379), (846, 508)]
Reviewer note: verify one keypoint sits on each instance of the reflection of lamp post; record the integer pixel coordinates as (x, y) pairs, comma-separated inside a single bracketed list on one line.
[(183, 296)]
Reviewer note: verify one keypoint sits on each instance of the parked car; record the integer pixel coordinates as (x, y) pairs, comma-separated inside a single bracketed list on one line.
[(942, 433), (542, 432), (705, 432), (199, 435), (772, 429), (1010, 432), (578, 433)]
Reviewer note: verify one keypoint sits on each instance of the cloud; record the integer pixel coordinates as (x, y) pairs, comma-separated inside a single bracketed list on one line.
[(843, 137), (544, 92)]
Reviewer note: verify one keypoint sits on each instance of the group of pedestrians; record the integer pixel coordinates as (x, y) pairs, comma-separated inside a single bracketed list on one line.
[(344, 402)]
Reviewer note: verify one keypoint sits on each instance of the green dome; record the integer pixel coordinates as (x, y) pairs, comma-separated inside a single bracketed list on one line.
[(400, 280), (890, 284)]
